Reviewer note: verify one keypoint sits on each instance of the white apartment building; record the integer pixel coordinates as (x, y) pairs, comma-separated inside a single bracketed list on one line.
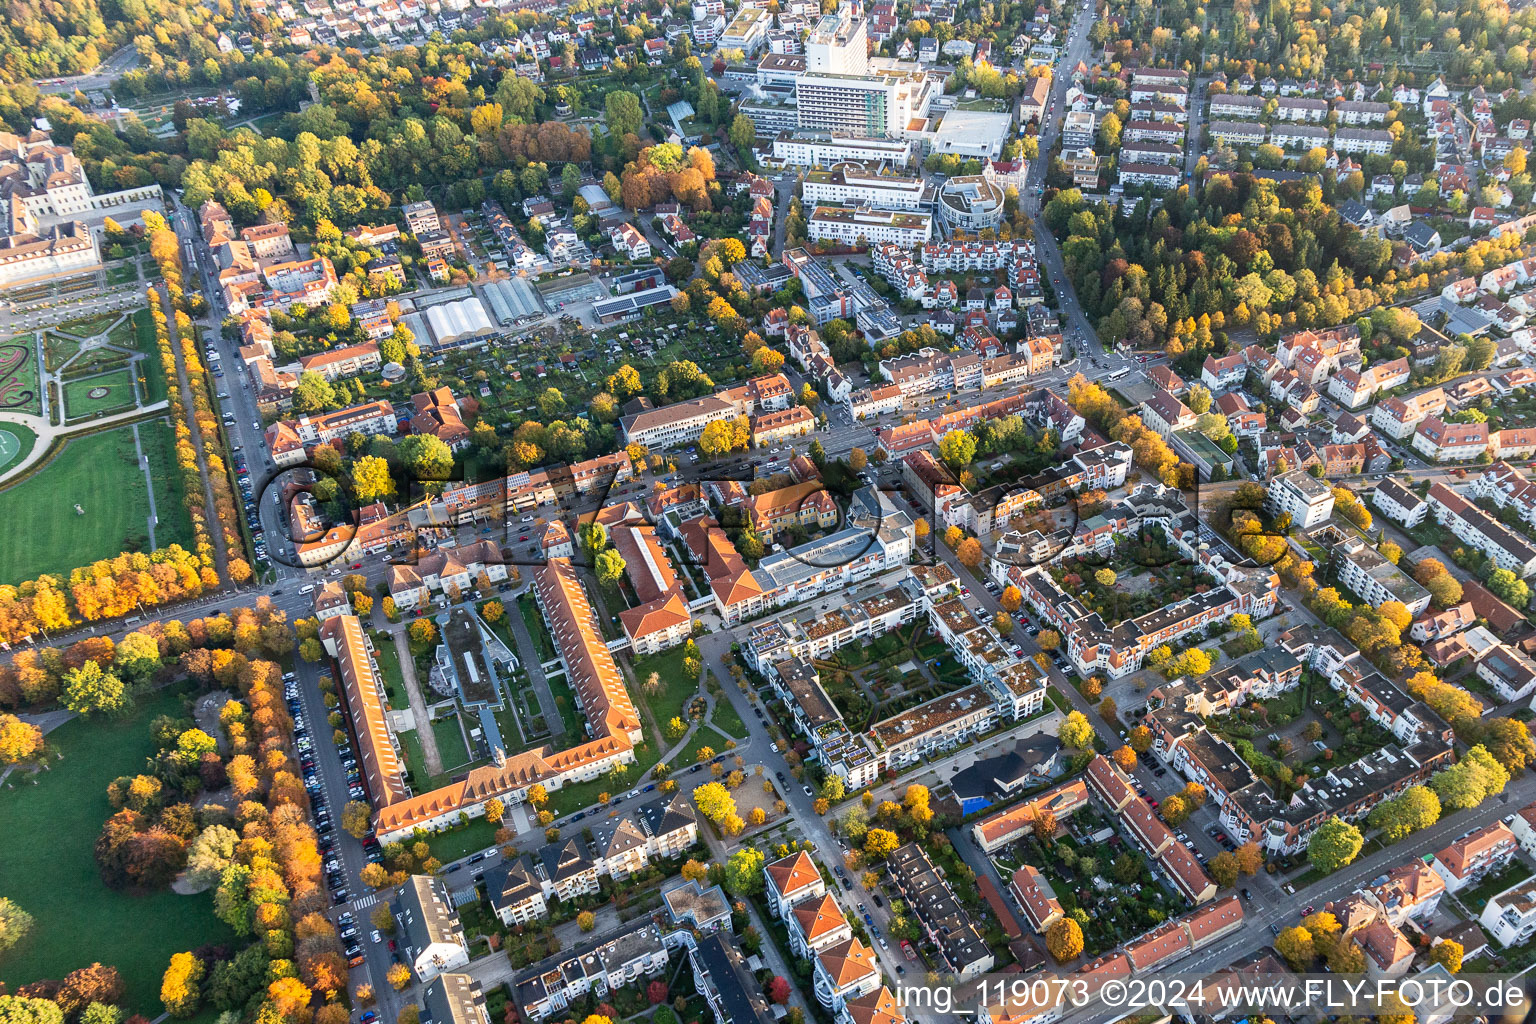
[(1510, 917), (839, 44), (807, 149), (369, 418), (1308, 500), (1298, 136), (677, 424), (1159, 175), (748, 31), (1399, 503), (865, 226), (939, 724), (882, 104), (1506, 548), (1368, 573), (858, 187), (1362, 140)]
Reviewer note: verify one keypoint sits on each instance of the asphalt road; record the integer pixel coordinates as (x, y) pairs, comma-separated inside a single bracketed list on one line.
[(1080, 330), (107, 72)]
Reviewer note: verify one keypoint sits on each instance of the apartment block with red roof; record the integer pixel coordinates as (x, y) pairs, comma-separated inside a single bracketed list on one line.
[(1469, 860), (844, 971), (880, 1007), (790, 880), (996, 831), (661, 620), (1034, 894), (346, 361), (1409, 893), (1450, 442), (816, 924), (1400, 417), (440, 414)]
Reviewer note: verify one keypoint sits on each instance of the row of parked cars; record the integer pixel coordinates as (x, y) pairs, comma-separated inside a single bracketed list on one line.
[(252, 513), (325, 827)]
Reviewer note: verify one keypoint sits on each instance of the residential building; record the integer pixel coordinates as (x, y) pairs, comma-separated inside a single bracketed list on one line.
[(432, 936), (960, 947), (863, 226), (1368, 573), (1477, 855), (722, 977), (596, 967), (1400, 503), (421, 218), (1306, 499), (1450, 442), (1509, 917), (1507, 548)]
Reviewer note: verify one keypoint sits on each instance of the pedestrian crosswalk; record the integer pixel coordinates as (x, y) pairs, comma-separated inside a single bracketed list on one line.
[(364, 902)]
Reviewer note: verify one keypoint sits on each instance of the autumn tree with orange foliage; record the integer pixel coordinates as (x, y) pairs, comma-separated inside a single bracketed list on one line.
[(664, 172)]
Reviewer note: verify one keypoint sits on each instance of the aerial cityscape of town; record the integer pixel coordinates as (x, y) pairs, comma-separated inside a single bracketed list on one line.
[(767, 511)]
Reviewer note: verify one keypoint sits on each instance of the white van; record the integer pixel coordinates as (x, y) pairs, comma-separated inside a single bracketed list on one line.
[(307, 589)]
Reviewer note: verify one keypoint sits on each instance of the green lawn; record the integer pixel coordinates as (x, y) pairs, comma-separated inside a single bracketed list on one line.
[(25, 436), (565, 699), (151, 370), (175, 522), (89, 326), (704, 737), (450, 743), (389, 665), (49, 868), (416, 763), (450, 846), (725, 717), (536, 627), (677, 688), (79, 402), (58, 348), (100, 473), (122, 273), (574, 798)]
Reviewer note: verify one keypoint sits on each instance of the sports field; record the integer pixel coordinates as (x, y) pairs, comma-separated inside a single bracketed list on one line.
[(81, 399), (100, 473)]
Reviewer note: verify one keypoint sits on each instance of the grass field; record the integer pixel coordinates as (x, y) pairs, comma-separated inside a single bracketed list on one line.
[(704, 737), (26, 438), (98, 472), (51, 872), (450, 846), (726, 718), (89, 326), (389, 664), (122, 273), (410, 746), (572, 798), (450, 743), (175, 525), (677, 688), (529, 609), (79, 403), (57, 348), (151, 368)]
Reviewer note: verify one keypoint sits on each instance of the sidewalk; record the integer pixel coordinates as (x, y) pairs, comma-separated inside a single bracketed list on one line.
[(433, 760)]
